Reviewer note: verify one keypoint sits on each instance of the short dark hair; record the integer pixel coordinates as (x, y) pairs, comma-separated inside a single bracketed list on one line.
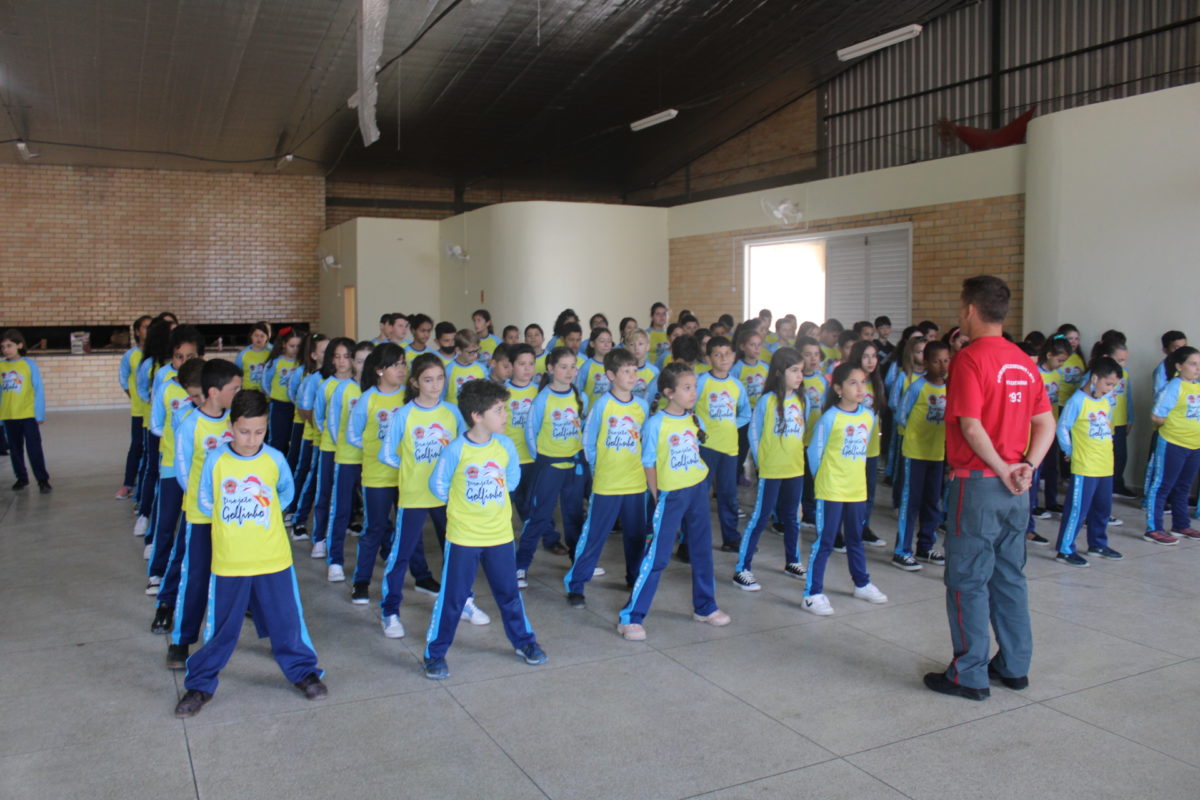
[(684, 319), (571, 327), (508, 328), (186, 334), (846, 337), (715, 342), (990, 296), (832, 325), (533, 326), (520, 349), (248, 403), (444, 328), (686, 348), (16, 337), (1105, 367), (189, 373), (217, 374), (476, 397), (502, 353), (417, 320), (1172, 336), (934, 345), (386, 318), (883, 320), (618, 357)]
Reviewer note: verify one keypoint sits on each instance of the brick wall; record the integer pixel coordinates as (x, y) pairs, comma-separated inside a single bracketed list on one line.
[(951, 241), (89, 381), (97, 246)]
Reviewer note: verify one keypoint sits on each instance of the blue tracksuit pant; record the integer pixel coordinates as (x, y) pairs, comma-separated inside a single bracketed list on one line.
[(520, 497), (1120, 456), (808, 500), (685, 509), (279, 425), (920, 505), (406, 544), (603, 512), (781, 493), (274, 599), (872, 480), (324, 499), (306, 482), (166, 524), (149, 473), (191, 601), (552, 485), (133, 458), (459, 567), (1088, 500), (985, 580), (722, 475), (295, 443), (1169, 478), (341, 504), (832, 517), (378, 503)]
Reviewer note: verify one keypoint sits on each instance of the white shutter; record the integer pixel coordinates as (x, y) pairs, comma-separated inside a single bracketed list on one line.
[(888, 278), (845, 277)]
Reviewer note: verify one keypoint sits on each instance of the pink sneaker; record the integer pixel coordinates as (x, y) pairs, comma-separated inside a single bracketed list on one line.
[(717, 618), (633, 632), (124, 493), (1160, 537), (1190, 533)]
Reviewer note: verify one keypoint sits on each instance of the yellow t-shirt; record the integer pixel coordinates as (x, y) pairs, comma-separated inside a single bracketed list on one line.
[(137, 406), (612, 442), (344, 401), (245, 497), (474, 481), (671, 446), (1089, 422), (368, 427), (1120, 396), (554, 427), (520, 400), (753, 377), (838, 454), (416, 437), (174, 398), (198, 435), (325, 425), (874, 447), (457, 375), (778, 447), (1072, 372), (253, 364), (280, 377), (814, 387), (924, 410), (723, 406), (1052, 379), (21, 390), (1179, 404), (660, 344)]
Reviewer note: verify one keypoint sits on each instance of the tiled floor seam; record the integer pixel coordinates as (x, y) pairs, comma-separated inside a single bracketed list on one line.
[(749, 781), (1119, 735), (187, 743)]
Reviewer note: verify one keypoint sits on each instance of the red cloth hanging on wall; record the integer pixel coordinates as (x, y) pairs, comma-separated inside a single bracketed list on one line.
[(981, 139)]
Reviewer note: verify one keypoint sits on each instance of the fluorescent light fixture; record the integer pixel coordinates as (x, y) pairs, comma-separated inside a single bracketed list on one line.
[(879, 42), (283, 162), (24, 150), (654, 119)]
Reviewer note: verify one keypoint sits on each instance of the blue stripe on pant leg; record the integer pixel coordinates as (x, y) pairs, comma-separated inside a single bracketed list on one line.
[(753, 529), (816, 548), (181, 592), (1069, 527), (435, 618), (904, 532), (1154, 486), (647, 558), (581, 545), (210, 623)]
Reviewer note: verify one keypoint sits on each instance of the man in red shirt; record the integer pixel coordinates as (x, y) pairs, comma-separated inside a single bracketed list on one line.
[(998, 429)]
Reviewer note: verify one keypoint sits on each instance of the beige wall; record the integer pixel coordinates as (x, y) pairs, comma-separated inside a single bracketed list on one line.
[(340, 242)]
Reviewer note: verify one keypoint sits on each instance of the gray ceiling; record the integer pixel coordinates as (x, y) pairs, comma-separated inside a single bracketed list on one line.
[(520, 90)]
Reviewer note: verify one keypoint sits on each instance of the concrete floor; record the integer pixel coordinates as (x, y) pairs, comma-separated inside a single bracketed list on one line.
[(778, 704)]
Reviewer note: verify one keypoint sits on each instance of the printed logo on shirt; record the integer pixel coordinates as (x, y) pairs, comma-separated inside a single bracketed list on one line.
[(720, 406), (1193, 407), (854, 443), (623, 433), (212, 441), (175, 403), (1072, 375), (11, 381), (485, 484), (247, 500), (382, 418), (869, 400), (793, 421), (639, 388), (1098, 426), (683, 451), (428, 442), (564, 424), (754, 383), (257, 371), (602, 384), (814, 396), (937, 409), (518, 411), (285, 375), (1052, 392), (459, 380)]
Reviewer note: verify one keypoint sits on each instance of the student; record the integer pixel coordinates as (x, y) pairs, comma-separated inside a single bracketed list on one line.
[(1074, 367), (465, 366), (814, 385), (638, 343), (723, 406), (828, 335), (1053, 355), (1085, 437), (185, 344), (558, 333), (864, 330), (244, 486), (336, 369), (674, 332), (500, 365), (422, 328), (660, 341), (535, 337), (864, 355), (385, 329), (277, 375), (180, 395), (444, 334), (777, 445), (347, 465), (400, 330), (628, 325), (1122, 414), (1176, 460), (511, 335), (571, 337), (751, 370), (473, 477), (1171, 341), (22, 410), (837, 455), (883, 332), (911, 367), (554, 434), (305, 397), (157, 354), (522, 391), (923, 414), (253, 359), (416, 437), (382, 384), (612, 444), (185, 589), (127, 380), (675, 478), (592, 380)]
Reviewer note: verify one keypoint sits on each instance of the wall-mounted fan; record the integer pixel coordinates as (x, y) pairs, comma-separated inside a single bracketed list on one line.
[(784, 213), (328, 262), (457, 251)]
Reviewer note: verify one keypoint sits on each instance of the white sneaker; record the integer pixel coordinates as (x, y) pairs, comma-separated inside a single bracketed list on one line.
[(870, 593), (1114, 522), (598, 572), (335, 573), (296, 537), (287, 519), (152, 586), (147, 551), (139, 527), (745, 580), (817, 604), (473, 614), (392, 627), (521, 582), (318, 549)]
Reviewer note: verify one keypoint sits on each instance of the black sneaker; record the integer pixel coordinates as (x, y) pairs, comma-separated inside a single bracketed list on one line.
[(436, 669), (1074, 559), (299, 533), (778, 527), (359, 595), (931, 557), (1016, 684), (1040, 541), (428, 586), (682, 554), (19, 485), (164, 618), (190, 704), (1055, 509), (730, 547), (871, 540), (1105, 552), (906, 563), (533, 654), (44, 487), (312, 687), (177, 656), (356, 527), (558, 549), (939, 683), (576, 600)]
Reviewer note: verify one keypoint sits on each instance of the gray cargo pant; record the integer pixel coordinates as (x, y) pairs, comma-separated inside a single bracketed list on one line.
[(985, 579)]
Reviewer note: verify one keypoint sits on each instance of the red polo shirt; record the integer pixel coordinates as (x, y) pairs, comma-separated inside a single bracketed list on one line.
[(993, 381)]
